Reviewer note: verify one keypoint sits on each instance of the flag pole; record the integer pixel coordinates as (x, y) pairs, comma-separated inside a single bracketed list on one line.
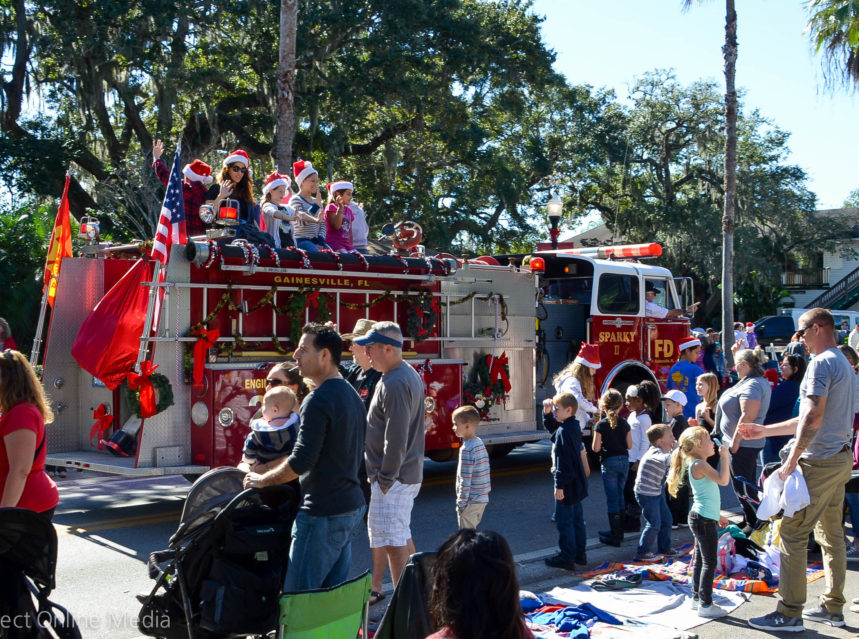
[(154, 298), (37, 341)]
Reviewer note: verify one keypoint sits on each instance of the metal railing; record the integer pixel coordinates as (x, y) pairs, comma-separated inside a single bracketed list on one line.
[(842, 288), (817, 278)]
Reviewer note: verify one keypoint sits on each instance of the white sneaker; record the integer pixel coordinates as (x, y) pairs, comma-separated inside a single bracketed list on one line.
[(695, 604), (713, 611)]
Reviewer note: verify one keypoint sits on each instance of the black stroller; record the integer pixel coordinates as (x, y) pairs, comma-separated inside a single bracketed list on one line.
[(223, 571), (28, 560)]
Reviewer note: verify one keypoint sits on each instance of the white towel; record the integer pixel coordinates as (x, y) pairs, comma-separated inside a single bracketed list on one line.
[(790, 496)]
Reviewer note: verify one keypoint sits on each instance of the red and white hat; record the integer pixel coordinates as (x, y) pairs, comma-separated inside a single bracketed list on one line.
[(274, 180), (339, 186), (589, 355), (688, 342), (198, 171), (238, 156), (749, 325), (302, 170)]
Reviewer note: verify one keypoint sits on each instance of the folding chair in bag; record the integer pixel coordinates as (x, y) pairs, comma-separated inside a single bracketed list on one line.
[(328, 613)]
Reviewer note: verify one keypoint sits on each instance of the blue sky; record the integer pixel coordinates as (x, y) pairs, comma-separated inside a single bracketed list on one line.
[(607, 43)]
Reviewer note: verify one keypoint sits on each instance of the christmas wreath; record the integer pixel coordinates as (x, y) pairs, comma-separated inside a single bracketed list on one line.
[(488, 383), (423, 312), (163, 394)]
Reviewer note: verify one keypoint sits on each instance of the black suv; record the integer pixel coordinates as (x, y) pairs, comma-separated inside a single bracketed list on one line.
[(775, 329)]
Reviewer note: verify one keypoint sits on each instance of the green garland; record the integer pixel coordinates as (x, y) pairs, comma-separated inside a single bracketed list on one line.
[(422, 309), (163, 394)]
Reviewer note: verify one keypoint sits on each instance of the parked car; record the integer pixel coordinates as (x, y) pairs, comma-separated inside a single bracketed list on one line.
[(775, 329)]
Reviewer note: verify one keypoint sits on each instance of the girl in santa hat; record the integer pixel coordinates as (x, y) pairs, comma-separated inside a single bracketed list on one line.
[(234, 182), (339, 217), (278, 217), (310, 225), (198, 175), (577, 378)]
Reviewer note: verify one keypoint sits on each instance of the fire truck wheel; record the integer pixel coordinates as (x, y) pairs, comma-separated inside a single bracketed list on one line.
[(497, 451), (446, 455)]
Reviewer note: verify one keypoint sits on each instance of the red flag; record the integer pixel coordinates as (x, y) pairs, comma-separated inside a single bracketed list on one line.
[(60, 246), (109, 338)]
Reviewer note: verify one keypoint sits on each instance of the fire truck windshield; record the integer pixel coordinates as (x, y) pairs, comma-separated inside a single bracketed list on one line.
[(574, 290)]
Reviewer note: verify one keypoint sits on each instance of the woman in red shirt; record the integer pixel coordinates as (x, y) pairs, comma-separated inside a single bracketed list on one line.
[(23, 413), (6, 340)]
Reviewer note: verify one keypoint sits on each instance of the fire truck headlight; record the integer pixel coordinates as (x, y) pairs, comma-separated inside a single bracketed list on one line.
[(226, 417), (207, 213), (199, 413)]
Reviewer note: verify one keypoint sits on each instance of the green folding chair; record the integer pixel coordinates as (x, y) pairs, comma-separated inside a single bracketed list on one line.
[(328, 613)]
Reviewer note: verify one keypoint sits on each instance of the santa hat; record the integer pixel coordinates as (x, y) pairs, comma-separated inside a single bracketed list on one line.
[(688, 342), (198, 171), (340, 185), (589, 355), (302, 170), (749, 325), (238, 156), (275, 180)]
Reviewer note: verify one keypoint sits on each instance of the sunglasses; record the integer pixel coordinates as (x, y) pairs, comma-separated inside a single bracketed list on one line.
[(801, 332), (273, 382), (239, 168)]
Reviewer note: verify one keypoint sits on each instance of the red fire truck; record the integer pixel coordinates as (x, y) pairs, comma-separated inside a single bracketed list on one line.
[(469, 328)]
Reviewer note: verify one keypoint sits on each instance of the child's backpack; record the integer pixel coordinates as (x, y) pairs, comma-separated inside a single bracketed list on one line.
[(726, 554)]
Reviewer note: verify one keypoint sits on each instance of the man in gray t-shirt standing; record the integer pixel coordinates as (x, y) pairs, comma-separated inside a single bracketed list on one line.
[(822, 452), (394, 450)]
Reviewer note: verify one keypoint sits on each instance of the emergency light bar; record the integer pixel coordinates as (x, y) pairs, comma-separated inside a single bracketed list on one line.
[(623, 251)]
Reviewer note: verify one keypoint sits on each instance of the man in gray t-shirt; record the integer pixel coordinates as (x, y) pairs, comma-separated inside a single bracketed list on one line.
[(394, 451), (822, 453)]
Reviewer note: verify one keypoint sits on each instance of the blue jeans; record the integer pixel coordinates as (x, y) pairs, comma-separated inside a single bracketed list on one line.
[(321, 551), (570, 521), (852, 500), (657, 523), (614, 471), (311, 244)]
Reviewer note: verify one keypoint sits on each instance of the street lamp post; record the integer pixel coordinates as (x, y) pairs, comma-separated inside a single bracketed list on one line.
[(555, 209)]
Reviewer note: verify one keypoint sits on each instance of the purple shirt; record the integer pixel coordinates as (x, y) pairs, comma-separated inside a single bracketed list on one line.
[(339, 239)]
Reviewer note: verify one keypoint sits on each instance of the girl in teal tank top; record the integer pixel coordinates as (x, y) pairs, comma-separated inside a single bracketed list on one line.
[(688, 464)]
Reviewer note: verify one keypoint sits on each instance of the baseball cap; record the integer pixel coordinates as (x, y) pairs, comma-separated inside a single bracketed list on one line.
[(375, 337), (676, 395)]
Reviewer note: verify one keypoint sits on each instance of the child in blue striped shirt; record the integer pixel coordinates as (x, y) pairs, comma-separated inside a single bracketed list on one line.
[(472, 473)]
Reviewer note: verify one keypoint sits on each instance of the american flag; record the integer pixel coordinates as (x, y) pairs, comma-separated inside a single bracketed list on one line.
[(171, 225)]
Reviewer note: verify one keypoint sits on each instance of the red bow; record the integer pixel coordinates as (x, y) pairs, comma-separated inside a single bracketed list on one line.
[(144, 384), (102, 422), (206, 341), (498, 372), (313, 299)]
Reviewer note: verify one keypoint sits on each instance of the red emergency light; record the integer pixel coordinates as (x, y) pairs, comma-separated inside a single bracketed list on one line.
[(537, 264), (623, 251)]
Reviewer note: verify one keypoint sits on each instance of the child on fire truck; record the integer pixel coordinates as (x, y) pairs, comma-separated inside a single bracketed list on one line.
[(273, 435)]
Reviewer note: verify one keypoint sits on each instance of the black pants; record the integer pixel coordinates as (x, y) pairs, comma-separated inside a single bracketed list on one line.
[(744, 463), (705, 531), (679, 505)]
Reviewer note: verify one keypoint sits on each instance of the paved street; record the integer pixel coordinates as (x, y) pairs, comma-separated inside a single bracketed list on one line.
[(108, 526)]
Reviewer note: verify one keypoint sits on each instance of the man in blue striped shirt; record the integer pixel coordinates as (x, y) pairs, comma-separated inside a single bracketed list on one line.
[(472, 473)]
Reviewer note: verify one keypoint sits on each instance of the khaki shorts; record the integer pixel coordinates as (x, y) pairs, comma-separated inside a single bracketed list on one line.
[(471, 515)]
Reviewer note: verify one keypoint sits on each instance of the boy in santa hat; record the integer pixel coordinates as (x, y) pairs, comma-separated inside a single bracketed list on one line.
[(685, 373), (310, 226), (197, 175)]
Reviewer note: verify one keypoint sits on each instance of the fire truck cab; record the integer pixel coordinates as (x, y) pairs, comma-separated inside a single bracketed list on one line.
[(598, 296)]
